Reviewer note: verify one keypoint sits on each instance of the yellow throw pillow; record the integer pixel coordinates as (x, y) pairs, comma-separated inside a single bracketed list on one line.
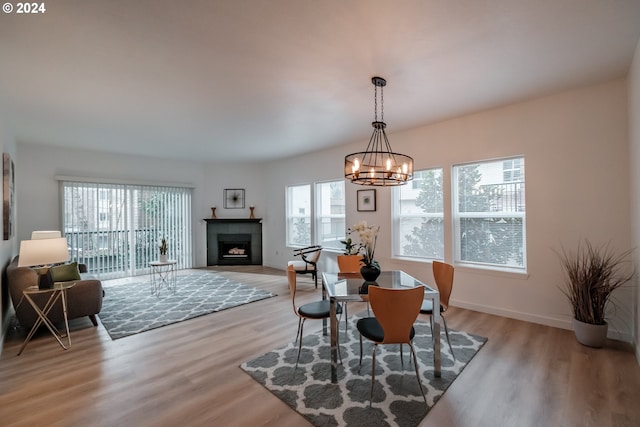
[(66, 272)]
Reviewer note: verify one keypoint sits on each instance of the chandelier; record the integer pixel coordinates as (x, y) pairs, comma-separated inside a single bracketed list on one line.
[(378, 165)]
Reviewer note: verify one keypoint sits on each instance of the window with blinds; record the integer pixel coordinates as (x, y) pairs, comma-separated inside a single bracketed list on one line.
[(490, 213), (116, 229)]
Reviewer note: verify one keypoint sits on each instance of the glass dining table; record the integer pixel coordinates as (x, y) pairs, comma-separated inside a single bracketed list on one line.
[(346, 287)]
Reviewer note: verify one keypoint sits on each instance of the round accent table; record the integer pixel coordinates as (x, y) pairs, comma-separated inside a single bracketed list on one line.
[(163, 275)]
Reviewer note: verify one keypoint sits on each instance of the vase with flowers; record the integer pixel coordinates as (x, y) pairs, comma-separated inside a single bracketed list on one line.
[(368, 234)]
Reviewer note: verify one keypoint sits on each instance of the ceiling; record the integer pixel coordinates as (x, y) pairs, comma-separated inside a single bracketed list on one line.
[(254, 80)]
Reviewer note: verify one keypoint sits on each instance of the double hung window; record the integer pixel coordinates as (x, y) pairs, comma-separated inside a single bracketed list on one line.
[(316, 214), (419, 218), (489, 213)]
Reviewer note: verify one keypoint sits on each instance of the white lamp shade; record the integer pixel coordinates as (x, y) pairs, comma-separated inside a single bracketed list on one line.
[(43, 252), (45, 234)]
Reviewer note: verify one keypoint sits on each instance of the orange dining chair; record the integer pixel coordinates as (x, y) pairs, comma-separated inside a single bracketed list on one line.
[(395, 311), (443, 275), (313, 310), (349, 264)]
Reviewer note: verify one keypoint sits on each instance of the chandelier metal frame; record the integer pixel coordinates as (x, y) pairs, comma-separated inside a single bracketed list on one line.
[(378, 165)]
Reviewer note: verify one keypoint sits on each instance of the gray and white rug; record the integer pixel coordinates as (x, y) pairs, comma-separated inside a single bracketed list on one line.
[(397, 400), (129, 309)]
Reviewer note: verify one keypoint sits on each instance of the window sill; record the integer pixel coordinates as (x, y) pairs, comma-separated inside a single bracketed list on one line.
[(492, 271), (472, 268)]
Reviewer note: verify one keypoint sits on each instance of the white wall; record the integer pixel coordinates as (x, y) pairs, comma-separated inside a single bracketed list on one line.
[(634, 138), (577, 176)]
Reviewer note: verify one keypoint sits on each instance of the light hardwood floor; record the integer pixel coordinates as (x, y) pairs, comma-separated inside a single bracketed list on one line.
[(187, 374)]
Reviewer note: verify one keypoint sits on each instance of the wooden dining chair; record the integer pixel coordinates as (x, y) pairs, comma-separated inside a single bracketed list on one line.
[(395, 311), (443, 275), (312, 310), (349, 264), (308, 262)]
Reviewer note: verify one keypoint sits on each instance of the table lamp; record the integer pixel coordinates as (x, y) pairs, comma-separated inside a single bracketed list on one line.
[(43, 252), (45, 234)]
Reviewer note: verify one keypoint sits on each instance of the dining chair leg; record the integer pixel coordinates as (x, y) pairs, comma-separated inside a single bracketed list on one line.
[(298, 333), (299, 346), (401, 358), (360, 364), (431, 326), (338, 342), (446, 330), (415, 364), (373, 373), (346, 317)]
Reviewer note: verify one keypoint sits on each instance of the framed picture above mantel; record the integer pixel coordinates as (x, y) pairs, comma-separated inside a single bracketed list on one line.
[(234, 198)]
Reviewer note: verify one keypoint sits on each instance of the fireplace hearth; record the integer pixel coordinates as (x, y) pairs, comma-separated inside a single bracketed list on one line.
[(234, 241)]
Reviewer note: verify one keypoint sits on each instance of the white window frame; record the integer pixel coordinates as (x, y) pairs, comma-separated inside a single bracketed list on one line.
[(397, 217), (319, 217), (290, 216), (520, 213)]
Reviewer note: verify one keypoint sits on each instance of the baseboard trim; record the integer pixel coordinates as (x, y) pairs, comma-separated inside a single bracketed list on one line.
[(556, 322)]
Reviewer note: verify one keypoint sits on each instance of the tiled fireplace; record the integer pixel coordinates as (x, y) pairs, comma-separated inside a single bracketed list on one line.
[(234, 241)]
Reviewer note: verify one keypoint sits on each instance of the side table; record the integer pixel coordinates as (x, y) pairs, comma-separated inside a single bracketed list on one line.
[(163, 274), (59, 291)]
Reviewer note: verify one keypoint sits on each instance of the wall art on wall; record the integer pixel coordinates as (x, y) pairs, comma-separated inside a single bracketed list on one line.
[(234, 198), (366, 200), (8, 185)]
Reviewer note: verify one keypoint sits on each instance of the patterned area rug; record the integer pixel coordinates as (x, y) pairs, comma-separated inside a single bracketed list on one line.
[(129, 309), (397, 400)]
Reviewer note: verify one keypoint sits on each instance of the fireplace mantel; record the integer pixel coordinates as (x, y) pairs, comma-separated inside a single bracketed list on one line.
[(245, 233)]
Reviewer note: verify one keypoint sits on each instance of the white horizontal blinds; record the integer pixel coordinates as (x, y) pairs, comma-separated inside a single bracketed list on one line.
[(490, 213), (116, 228), (419, 216)]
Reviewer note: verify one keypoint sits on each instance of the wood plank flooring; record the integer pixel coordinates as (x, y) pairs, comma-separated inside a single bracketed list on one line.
[(187, 374)]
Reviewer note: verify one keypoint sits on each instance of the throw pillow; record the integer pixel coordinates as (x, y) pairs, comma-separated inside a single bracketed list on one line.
[(66, 272)]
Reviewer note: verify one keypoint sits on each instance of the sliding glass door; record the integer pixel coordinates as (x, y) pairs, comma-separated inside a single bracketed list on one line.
[(116, 229)]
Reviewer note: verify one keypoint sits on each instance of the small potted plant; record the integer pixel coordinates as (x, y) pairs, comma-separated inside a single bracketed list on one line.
[(163, 250), (592, 274)]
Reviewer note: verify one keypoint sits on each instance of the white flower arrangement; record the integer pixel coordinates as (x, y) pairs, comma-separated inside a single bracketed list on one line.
[(368, 237)]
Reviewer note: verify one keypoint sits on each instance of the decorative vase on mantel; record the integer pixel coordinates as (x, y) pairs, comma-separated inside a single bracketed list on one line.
[(370, 272), (213, 212)]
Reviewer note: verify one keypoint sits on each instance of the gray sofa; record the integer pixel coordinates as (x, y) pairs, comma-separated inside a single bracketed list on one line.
[(83, 299)]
